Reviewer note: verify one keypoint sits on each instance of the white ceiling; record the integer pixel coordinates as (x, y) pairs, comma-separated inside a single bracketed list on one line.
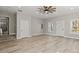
[(33, 11)]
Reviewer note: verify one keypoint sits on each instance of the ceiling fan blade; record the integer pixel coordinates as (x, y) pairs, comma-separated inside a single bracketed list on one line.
[(49, 7), (51, 11), (53, 8)]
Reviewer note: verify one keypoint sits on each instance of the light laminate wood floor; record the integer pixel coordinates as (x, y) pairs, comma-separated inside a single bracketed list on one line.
[(40, 44)]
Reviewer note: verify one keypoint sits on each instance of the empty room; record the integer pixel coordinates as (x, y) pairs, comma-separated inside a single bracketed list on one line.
[(39, 29)]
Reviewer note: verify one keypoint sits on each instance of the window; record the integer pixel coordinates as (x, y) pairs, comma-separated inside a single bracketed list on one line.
[(50, 27), (41, 26)]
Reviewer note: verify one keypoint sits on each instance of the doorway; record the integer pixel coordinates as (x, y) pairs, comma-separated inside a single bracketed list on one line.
[(4, 26), (60, 28), (50, 27), (4, 29)]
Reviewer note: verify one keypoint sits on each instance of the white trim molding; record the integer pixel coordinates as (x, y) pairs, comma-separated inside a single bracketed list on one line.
[(71, 37), (37, 34), (12, 33), (62, 35)]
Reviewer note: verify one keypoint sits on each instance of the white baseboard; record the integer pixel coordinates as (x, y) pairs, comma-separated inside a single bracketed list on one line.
[(18, 38), (23, 37), (37, 34), (45, 33), (71, 37), (12, 33), (63, 36), (51, 34)]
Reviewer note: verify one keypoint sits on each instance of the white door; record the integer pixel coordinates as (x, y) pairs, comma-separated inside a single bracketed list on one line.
[(24, 28), (60, 28)]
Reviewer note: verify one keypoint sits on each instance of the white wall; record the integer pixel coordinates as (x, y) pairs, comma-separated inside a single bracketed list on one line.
[(23, 17), (36, 26), (67, 19), (12, 22)]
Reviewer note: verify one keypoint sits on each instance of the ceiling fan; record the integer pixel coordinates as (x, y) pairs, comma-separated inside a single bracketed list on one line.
[(47, 9)]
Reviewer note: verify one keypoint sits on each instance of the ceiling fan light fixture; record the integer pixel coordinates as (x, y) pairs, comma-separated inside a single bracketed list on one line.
[(47, 9)]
